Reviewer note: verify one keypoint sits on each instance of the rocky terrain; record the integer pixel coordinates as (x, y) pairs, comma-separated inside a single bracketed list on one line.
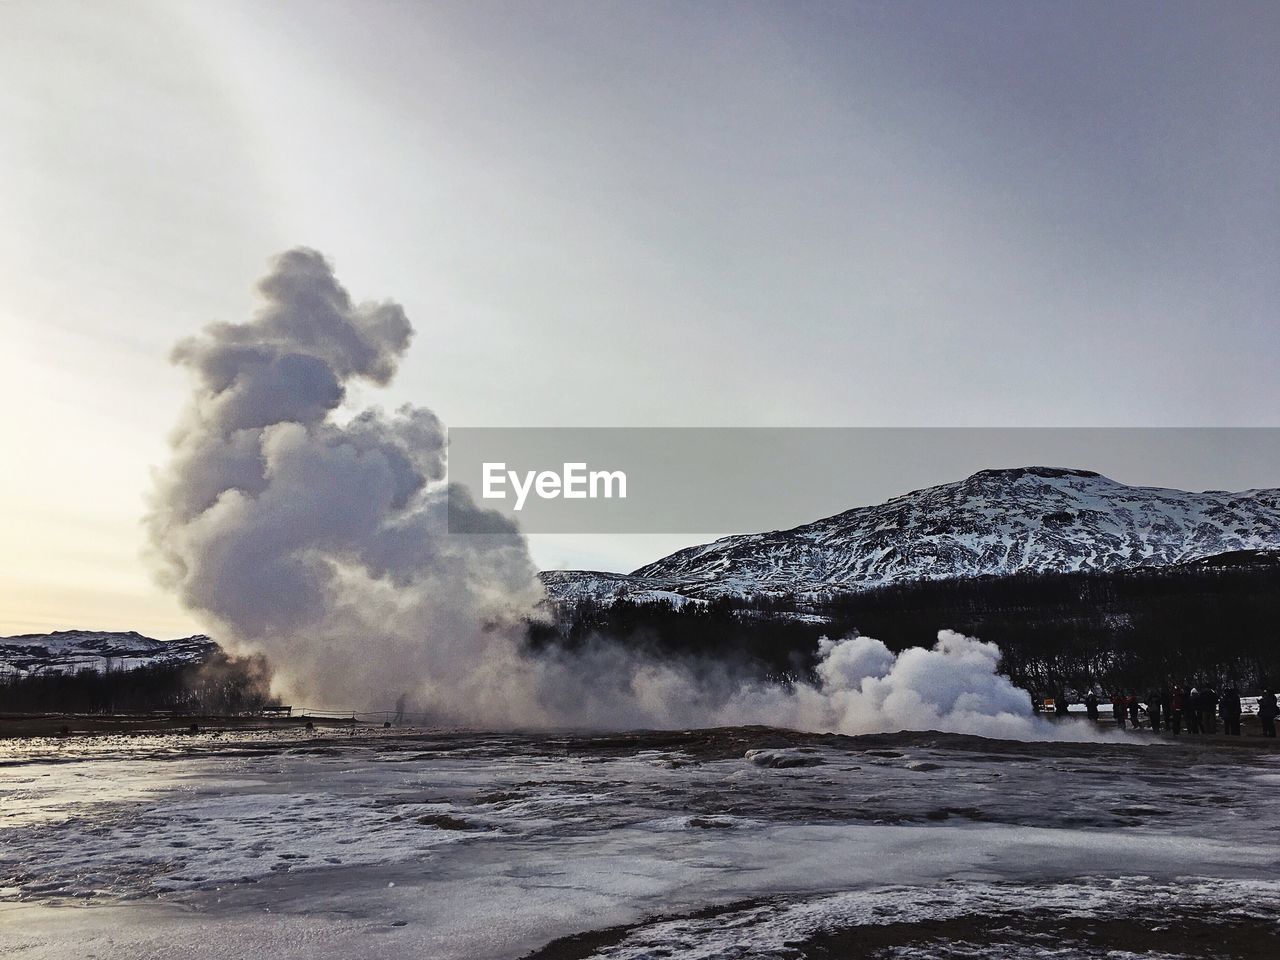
[(993, 523), (68, 651)]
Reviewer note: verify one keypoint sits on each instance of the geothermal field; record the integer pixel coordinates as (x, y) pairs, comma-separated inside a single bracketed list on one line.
[(733, 480), (314, 540), (734, 842)]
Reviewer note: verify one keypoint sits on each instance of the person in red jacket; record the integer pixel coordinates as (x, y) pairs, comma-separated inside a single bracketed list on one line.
[(1118, 706)]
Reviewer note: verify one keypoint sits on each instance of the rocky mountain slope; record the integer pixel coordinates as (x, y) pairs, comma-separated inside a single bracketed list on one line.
[(996, 522), (68, 651)]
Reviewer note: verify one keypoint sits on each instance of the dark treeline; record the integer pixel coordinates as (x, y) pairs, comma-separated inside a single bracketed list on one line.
[(221, 685), (725, 632), (1216, 623)]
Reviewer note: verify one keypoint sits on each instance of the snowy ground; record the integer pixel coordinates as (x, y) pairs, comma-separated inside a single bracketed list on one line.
[(731, 843)]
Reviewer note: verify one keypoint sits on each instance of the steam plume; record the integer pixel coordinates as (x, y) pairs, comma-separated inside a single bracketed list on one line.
[(318, 536), (321, 540)]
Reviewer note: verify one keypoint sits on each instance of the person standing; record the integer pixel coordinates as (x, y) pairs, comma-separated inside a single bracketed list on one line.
[(1209, 710), (1155, 699), (1193, 710), (1177, 703), (1131, 702), (1229, 707), (1117, 708), (1268, 710), (1091, 705)]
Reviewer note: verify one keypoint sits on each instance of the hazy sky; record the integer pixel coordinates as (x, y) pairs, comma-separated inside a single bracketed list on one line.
[(973, 213)]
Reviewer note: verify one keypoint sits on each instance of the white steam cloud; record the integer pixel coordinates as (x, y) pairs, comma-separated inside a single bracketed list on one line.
[(317, 536), (954, 687)]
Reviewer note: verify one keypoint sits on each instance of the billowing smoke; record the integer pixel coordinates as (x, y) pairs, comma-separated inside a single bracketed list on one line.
[(317, 535), (863, 686)]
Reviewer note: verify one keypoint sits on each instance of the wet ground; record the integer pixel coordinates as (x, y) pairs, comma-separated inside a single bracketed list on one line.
[(724, 843)]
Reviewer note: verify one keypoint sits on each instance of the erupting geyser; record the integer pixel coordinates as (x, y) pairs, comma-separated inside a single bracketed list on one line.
[(317, 535)]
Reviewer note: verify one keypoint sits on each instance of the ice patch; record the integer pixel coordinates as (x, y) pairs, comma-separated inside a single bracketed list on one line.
[(778, 929), (793, 757)]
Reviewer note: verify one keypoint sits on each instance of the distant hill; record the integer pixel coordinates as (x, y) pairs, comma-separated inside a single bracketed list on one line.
[(993, 523), (68, 651), (1212, 620)]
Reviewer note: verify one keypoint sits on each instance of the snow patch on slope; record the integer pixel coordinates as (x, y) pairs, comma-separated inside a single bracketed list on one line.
[(996, 522), (69, 651)]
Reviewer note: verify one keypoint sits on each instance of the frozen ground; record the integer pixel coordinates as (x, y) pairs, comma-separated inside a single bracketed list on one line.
[(728, 843)]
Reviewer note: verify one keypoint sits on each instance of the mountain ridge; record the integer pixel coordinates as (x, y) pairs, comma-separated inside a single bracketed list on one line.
[(68, 651), (993, 522)]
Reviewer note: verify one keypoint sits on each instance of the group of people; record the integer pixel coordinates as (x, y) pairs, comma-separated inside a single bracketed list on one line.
[(1198, 709)]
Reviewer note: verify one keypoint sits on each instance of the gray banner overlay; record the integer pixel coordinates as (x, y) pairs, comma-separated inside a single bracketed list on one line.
[(714, 480)]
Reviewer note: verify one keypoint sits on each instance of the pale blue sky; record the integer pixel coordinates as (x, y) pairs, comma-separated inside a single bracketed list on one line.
[(646, 213)]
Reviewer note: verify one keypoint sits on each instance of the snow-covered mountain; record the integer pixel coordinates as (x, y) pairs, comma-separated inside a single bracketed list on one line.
[(68, 651), (1026, 519)]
